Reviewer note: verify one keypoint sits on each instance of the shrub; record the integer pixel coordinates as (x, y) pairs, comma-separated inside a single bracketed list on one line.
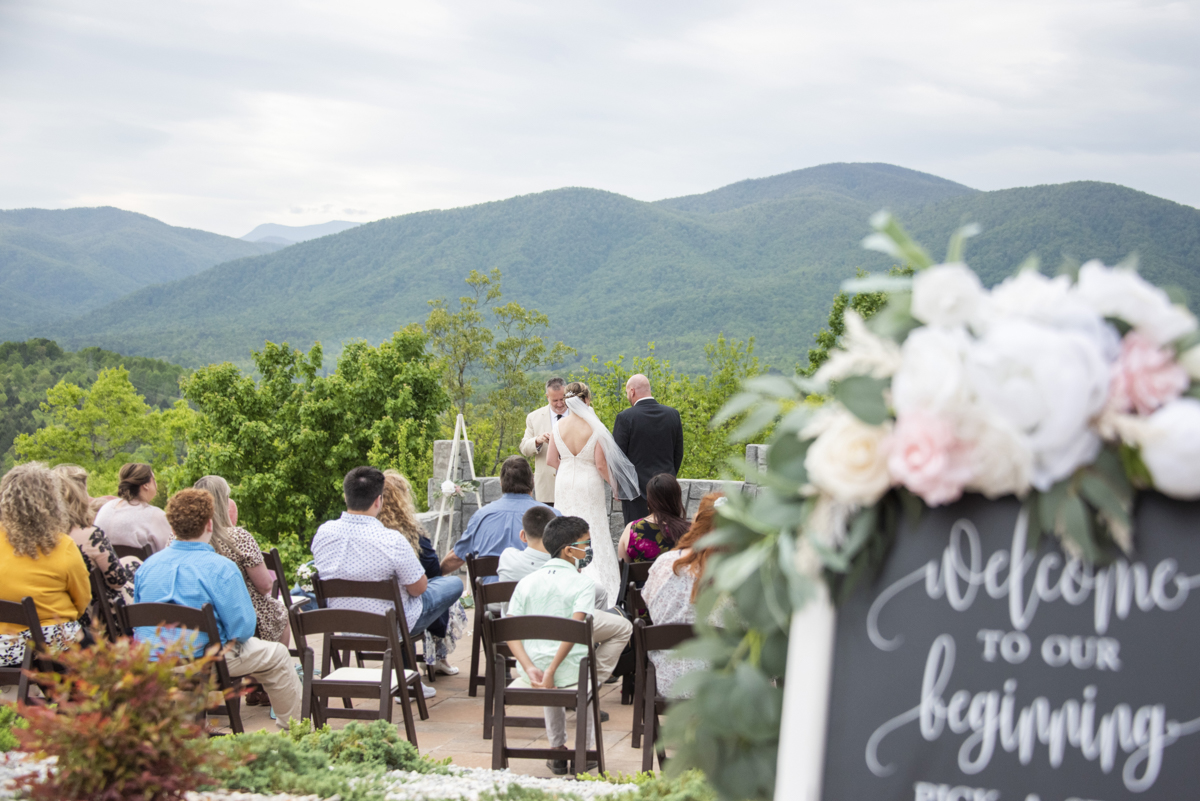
[(9, 720), (123, 725), (690, 785)]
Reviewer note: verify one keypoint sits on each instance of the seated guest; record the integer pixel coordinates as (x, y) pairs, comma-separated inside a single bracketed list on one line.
[(399, 513), (93, 543), (517, 563), (39, 561), (497, 525), (234, 542), (357, 547), (558, 589), (643, 540), (671, 589), (191, 573), (131, 519)]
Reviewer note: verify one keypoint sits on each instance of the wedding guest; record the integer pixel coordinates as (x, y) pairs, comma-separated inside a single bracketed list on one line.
[(671, 589), (237, 544), (358, 547), (191, 573), (651, 435), (517, 563), (399, 513), (539, 427), (643, 540), (93, 543), (38, 560), (497, 525), (131, 519)]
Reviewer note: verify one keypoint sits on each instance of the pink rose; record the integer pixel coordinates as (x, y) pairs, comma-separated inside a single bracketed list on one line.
[(1145, 376), (928, 458)]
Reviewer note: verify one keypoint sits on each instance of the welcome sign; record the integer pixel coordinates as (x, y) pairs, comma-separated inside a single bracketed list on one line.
[(975, 669)]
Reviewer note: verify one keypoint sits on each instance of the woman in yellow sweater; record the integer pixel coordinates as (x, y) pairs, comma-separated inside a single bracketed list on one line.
[(39, 560)]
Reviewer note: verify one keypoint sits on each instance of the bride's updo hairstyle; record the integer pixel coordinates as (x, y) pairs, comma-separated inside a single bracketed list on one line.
[(578, 389)]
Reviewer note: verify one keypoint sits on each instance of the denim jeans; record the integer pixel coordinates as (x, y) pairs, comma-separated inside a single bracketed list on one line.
[(439, 596)]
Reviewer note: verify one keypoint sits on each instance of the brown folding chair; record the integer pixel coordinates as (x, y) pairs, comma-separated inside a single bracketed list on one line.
[(140, 551), (587, 688), (637, 572), (280, 589), (633, 597), (478, 567), (646, 698), (366, 647), (105, 614), (22, 614), (498, 592), (203, 620), (391, 679)]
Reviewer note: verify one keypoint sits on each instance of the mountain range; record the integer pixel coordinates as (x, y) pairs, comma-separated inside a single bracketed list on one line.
[(284, 235), (758, 258)]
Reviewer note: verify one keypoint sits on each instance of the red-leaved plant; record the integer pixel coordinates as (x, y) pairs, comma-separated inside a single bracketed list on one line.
[(123, 726)]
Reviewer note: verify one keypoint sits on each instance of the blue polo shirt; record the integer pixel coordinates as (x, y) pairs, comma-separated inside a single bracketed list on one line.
[(191, 573), (496, 526)]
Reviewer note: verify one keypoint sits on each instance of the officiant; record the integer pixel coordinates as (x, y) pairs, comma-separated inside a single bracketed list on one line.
[(539, 425)]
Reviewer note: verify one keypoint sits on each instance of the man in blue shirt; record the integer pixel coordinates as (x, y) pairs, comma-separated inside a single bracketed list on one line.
[(191, 573), (497, 525)]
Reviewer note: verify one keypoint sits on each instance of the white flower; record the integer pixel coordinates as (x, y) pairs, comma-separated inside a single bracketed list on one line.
[(1121, 293), (449, 487), (1000, 458), (1170, 447), (947, 295), (932, 374), (1190, 360), (861, 353), (1048, 384), (848, 459)]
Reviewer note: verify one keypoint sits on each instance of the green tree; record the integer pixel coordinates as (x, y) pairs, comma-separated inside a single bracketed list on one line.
[(460, 339), (865, 303), (708, 451), (104, 426), (285, 441)]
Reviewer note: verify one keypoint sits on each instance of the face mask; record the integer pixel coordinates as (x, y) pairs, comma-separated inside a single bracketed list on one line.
[(580, 564)]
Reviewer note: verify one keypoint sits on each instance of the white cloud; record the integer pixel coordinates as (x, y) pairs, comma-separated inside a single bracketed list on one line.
[(223, 115)]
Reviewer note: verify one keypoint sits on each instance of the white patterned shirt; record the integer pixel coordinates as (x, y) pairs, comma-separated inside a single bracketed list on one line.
[(360, 548)]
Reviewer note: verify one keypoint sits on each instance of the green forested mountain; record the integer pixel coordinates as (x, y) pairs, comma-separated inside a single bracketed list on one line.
[(28, 369), (759, 258), (60, 264)]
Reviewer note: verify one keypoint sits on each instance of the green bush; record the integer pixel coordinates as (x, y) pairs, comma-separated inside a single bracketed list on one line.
[(9, 720), (650, 786)]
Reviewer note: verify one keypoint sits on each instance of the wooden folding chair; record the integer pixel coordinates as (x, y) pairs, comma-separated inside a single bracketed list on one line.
[(391, 679), (478, 567), (648, 703), (366, 647), (140, 551), (105, 614), (587, 688), (280, 588), (497, 592), (203, 620), (633, 597), (636, 572), (22, 614)]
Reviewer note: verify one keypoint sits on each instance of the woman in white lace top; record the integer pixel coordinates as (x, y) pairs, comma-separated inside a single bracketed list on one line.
[(671, 590)]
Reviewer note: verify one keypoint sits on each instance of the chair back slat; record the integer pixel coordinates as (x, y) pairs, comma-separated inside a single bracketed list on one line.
[(153, 615), (100, 596), (664, 636), (498, 592), (25, 614), (331, 621), (385, 590), (140, 551), (481, 567), (542, 627), (274, 563)]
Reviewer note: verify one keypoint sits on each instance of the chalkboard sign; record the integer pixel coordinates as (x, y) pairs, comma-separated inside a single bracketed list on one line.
[(974, 670)]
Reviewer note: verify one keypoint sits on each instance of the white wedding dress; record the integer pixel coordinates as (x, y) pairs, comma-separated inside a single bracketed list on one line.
[(579, 491)]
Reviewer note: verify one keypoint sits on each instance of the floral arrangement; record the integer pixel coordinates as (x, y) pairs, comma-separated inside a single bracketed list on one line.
[(304, 576), (1069, 392), (456, 489)]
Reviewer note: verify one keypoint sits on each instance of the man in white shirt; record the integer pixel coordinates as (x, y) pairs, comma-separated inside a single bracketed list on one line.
[(535, 444), (517, 563)]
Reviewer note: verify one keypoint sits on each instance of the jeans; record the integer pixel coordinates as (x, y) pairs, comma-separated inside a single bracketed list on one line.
[(439, 596)]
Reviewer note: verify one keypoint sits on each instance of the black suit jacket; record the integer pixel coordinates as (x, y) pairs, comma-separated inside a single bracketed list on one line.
[(651, 435)]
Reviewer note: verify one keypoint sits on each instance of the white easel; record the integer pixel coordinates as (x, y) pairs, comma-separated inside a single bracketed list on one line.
[(460, 427)]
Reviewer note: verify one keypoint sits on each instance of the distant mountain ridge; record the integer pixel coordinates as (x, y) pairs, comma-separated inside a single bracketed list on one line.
[(759, 258), (61, 263), (291, 234)]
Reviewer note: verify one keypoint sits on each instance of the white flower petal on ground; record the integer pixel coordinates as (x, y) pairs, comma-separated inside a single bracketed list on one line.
[(848, 459), (1169, 441), (947, 295), (1121, 293), (861, 353)]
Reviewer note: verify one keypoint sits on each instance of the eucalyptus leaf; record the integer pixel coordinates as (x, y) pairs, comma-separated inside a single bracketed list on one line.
[(863, 396), (773, 386), (954, 253), (786, 458), (1104, 497), (735, 406), (756, 420), (739, 567), (1074, 524)]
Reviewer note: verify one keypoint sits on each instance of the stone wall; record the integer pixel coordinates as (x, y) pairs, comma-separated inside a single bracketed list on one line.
[(459, 513)]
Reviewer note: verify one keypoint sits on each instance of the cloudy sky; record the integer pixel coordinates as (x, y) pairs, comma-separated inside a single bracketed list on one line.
[(223, 115)]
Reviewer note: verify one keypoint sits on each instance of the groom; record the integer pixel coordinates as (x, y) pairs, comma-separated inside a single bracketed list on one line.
[(539, 425), (651, 435)]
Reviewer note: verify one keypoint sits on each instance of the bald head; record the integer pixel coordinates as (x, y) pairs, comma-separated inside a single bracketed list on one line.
[(637, 387)]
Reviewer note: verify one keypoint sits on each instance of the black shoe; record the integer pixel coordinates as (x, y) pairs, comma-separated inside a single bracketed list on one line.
[(592, 765), (612, 679), (603, 716), (557, 766)]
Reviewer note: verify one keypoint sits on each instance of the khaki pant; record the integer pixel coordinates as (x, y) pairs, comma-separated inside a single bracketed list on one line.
[(612, 633), (271, 665)]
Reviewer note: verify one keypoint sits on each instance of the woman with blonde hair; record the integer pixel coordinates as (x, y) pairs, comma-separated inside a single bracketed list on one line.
[(131, 519), (39, 561), (399, 513), (237, 544), (93, 543)]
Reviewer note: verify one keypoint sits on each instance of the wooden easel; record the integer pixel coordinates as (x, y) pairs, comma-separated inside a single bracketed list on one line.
[(460, 434)]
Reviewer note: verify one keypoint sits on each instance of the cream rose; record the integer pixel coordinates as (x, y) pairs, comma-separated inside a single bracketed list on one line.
[(1170, 448), (947, 295), (1121, 293), (932, 374), (1000, 458), (848, 459)]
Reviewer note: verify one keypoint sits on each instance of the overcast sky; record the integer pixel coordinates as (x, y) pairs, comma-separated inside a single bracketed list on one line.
[(224, 115)]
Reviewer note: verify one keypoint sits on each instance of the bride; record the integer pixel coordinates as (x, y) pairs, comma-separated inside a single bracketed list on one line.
[(583, 452)]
